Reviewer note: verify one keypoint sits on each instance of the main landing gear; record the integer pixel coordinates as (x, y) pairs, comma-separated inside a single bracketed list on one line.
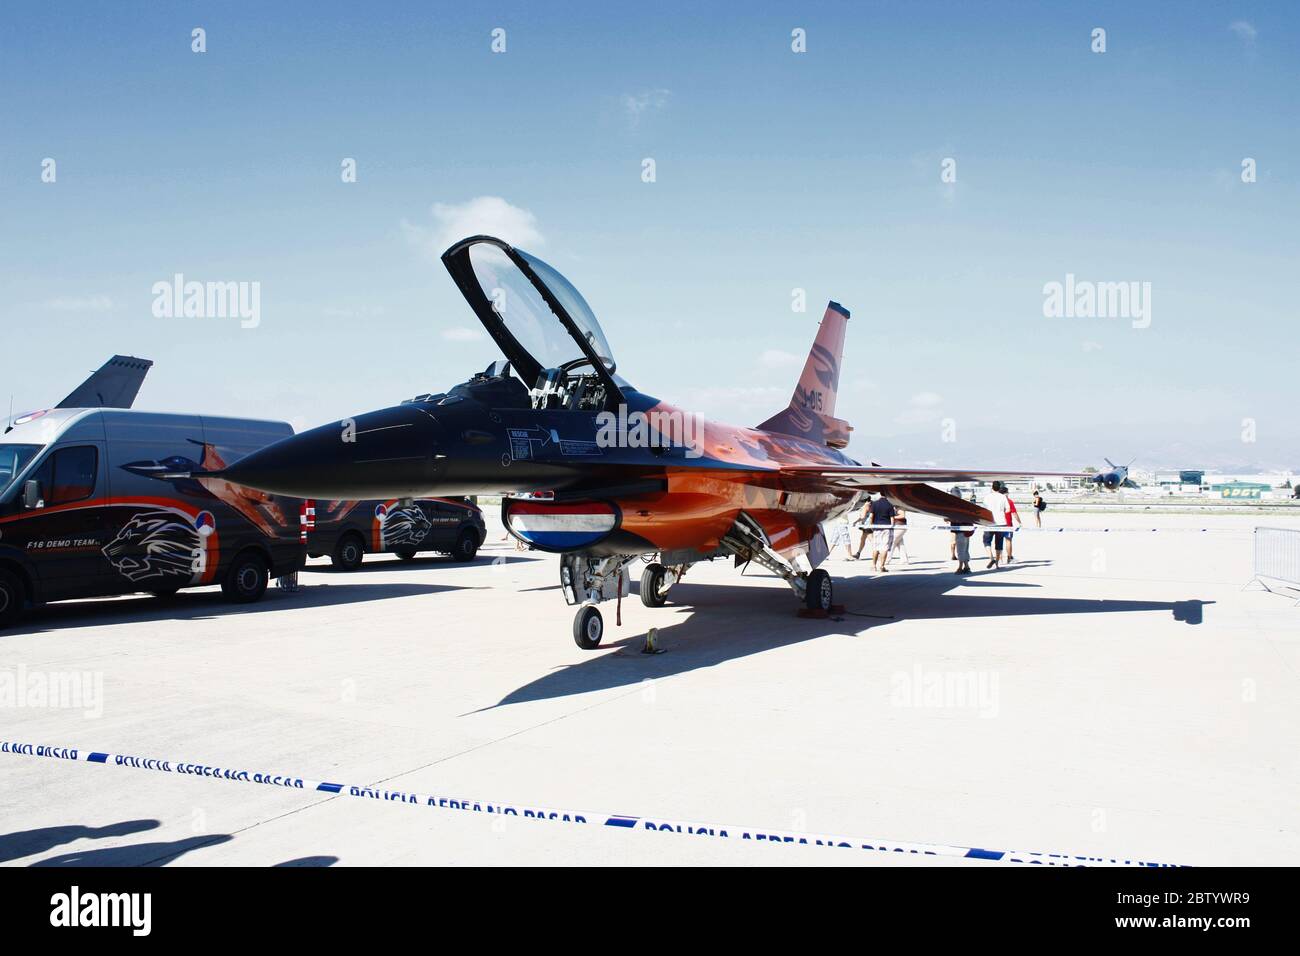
[(656, 580), (818, 592), (586, 581)]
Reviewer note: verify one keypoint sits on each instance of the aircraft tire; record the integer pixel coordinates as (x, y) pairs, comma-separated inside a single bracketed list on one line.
[(819, 594), (653, 593), (588, 627)]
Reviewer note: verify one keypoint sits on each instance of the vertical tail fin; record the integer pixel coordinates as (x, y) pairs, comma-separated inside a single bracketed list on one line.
[(115, 385), (811, 413)]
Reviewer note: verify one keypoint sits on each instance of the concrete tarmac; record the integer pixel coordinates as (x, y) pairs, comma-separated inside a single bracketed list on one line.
[(1113, 694)]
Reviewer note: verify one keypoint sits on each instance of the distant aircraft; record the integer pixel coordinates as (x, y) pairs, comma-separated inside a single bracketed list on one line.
[(1114, 479), (115, 385), (602, 473)]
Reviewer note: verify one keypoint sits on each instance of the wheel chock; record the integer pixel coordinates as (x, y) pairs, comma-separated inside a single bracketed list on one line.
[(652, 642)]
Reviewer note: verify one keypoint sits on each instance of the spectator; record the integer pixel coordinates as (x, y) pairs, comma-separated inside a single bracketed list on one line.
[(900, 531), (961, 546), (1039, 507), (879, 517), (996, 502), (1012, 514), (863, 524)]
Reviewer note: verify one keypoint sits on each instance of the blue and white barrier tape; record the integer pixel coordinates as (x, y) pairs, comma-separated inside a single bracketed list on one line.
[(568, 816), (1023, 528)]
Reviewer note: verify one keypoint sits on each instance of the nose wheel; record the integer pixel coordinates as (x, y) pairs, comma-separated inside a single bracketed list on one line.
[(588, 627)]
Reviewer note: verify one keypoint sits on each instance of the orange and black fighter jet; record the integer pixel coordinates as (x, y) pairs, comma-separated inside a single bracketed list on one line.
[(598, 471)]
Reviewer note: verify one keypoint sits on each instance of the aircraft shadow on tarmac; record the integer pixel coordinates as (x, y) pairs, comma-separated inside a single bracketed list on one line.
[(206, 605), (761, 619)]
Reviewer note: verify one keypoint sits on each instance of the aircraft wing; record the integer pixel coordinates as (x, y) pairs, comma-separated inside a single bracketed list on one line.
[(911, 488), (876, 478)]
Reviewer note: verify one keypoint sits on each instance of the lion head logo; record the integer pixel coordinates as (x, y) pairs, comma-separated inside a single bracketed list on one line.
[(405, 526), (154, 544)]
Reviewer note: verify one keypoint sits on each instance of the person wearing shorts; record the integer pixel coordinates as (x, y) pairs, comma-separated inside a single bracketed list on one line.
[(961, 547), (996, 502), (879, 517)]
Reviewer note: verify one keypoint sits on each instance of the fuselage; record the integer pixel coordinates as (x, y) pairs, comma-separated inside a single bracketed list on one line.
[(673, 486)]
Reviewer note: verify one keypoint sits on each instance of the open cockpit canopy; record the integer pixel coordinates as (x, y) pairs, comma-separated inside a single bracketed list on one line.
[(541, 323)]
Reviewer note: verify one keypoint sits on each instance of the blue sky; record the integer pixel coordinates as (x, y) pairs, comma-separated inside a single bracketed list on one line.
[(775, 171)]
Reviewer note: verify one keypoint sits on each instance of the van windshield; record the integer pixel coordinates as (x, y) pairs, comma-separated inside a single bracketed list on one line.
[(13, 459)]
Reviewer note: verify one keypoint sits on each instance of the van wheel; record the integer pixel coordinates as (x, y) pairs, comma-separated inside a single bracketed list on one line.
[(348, 552), (247, 578), (11, 598), (466, 546), (406, 554)]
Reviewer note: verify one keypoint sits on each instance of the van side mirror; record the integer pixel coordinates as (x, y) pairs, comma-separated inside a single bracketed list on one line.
[(32, 494)]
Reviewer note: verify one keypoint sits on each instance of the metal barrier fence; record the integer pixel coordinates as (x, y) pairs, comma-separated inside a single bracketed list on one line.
[(1277, 556)]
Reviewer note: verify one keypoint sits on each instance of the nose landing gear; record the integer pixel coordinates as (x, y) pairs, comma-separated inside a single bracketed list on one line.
[(588, 627)]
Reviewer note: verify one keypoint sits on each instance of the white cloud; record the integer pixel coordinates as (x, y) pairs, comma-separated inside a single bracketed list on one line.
[(637, 105), (1091, 346), (926, 400), (483, 215), (1244, 29), (775, 358), (461, 333), (85, 303)]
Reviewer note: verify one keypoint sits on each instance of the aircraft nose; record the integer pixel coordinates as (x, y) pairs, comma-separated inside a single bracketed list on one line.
[(386, 454)]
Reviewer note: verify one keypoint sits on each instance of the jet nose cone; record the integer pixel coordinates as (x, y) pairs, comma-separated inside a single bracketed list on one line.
[(385, 454)]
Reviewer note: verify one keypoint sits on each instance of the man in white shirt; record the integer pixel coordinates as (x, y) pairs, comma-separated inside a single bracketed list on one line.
[(997, 504)]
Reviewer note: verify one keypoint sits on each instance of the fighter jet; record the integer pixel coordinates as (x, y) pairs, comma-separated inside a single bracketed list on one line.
[(1114, 479), (596, 470)]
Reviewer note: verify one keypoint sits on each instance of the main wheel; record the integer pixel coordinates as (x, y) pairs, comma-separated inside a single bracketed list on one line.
[(588, 627), (466, 546), (11, 598), (406, 554), (348, 552), (653, 592), (818, 593), (246, 580)]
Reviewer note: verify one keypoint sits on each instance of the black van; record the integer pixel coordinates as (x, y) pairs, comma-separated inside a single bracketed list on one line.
[(348, 530), (97, 502)]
